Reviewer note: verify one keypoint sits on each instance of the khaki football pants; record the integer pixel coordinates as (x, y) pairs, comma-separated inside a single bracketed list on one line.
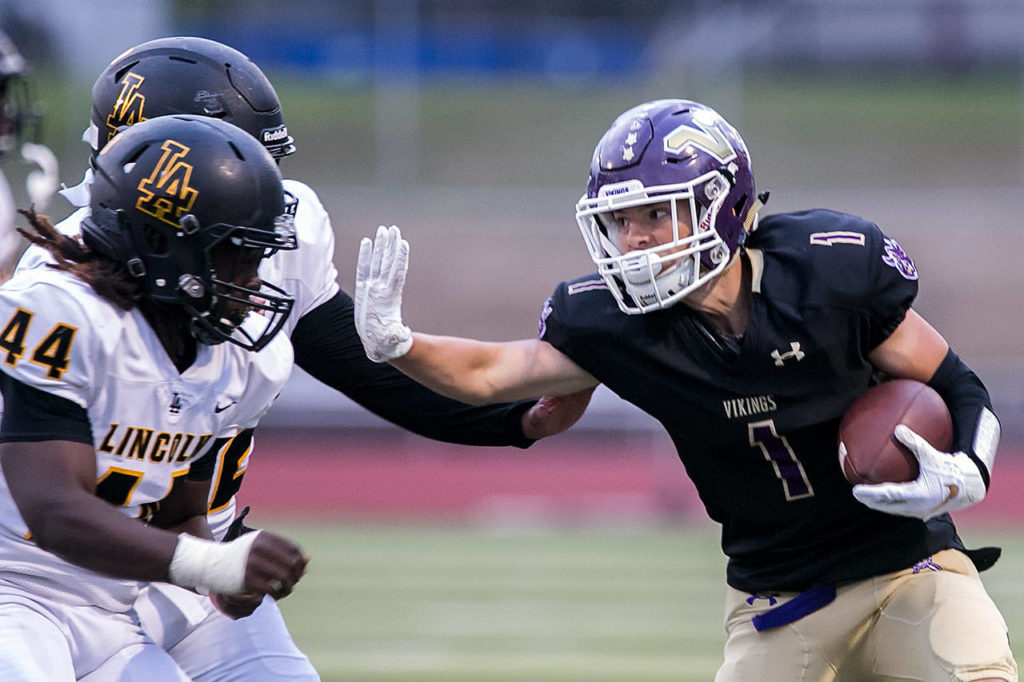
[(917, 624)]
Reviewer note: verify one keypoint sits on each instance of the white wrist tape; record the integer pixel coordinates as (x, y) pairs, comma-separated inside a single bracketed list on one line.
[(209, 566)]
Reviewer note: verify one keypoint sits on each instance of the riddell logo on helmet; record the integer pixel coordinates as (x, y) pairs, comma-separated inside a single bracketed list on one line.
[(275, 134)]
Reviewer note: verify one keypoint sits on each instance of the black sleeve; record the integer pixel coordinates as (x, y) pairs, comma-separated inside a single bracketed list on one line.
[(328, 347), (31, 415), (203, 467), (893, 287), (965, 396)]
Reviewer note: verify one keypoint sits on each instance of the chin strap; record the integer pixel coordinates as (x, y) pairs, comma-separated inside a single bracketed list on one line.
[(750, 223)]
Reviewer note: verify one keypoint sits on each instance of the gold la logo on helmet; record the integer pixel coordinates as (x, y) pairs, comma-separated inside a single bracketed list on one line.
[(166, 194), (128, 106)]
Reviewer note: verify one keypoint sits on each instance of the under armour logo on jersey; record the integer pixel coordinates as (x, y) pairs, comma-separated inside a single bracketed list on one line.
[(794, 352), (175, 407)]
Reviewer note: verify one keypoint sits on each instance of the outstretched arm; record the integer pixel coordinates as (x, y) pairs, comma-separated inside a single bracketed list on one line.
[(328, 347), (475, 372), (478, 372)]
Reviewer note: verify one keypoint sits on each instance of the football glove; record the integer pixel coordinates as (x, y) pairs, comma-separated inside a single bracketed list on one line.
[(380, 277), (238, 528), (946, 482)]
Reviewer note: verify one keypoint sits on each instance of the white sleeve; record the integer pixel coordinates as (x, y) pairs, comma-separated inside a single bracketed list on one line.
[(52, 338), (308, 272)]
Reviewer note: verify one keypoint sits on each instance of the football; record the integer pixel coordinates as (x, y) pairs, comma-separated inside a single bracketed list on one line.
[(873, 455)]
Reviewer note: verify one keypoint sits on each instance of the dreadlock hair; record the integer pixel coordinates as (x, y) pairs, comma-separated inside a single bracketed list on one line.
[(111, 280), (108, 277)]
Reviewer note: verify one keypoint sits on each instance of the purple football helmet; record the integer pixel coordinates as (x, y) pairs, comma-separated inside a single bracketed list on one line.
[(686, 155)]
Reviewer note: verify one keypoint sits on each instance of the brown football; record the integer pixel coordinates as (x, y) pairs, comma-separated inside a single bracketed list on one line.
[(873, 455)]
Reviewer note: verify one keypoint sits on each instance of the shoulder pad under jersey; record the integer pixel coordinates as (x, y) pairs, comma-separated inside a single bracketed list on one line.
[(57, 334), (307, 273), (825, 257)]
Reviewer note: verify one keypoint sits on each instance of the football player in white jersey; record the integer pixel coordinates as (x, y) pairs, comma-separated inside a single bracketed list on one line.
[(126, 365), (195, 75)]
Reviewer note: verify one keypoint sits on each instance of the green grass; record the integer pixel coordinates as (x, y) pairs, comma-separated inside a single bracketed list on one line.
[(387, 603)]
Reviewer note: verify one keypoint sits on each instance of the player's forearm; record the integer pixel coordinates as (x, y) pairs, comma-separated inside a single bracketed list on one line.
[(480, 372), (88, 532), (328, 347), (454, 367), (184, 509), (976, 429)]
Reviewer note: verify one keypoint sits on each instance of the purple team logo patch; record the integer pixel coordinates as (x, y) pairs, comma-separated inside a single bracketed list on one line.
[(896, 257), (926, 564), (542, 324)]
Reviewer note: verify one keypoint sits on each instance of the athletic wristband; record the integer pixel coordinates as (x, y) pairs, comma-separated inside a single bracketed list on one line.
[(975, 427), (209, 566)]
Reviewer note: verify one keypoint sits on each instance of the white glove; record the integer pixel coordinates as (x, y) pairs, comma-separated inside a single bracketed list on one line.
[(380, 276), (946, 482)]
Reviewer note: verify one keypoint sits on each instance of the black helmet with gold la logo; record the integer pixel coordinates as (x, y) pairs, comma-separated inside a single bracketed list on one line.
[(186, 75), (171, 196)]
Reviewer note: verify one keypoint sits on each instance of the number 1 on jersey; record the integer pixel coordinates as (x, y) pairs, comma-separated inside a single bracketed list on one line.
[(777, 450)]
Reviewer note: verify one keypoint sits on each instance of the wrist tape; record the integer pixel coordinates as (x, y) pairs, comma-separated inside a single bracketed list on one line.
[(209, 566)]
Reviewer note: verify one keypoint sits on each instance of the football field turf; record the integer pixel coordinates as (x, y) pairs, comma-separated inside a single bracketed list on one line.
[(631, 604)]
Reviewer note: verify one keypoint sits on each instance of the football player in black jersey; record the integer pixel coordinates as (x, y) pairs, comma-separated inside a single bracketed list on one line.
[(784, 322)]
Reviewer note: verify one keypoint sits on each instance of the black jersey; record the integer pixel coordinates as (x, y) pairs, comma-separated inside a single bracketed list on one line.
[(755, 422)]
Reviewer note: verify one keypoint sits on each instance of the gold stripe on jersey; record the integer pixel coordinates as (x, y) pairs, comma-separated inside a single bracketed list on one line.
[(232, 461)]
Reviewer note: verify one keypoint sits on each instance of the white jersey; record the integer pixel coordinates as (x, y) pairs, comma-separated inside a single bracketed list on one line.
[(149, 422), (306, 273)]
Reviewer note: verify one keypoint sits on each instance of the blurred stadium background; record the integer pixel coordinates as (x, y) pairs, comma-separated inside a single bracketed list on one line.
[(471, 124)]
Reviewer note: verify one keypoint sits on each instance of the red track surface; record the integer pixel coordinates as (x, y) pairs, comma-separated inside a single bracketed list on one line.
[(584, 478)]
